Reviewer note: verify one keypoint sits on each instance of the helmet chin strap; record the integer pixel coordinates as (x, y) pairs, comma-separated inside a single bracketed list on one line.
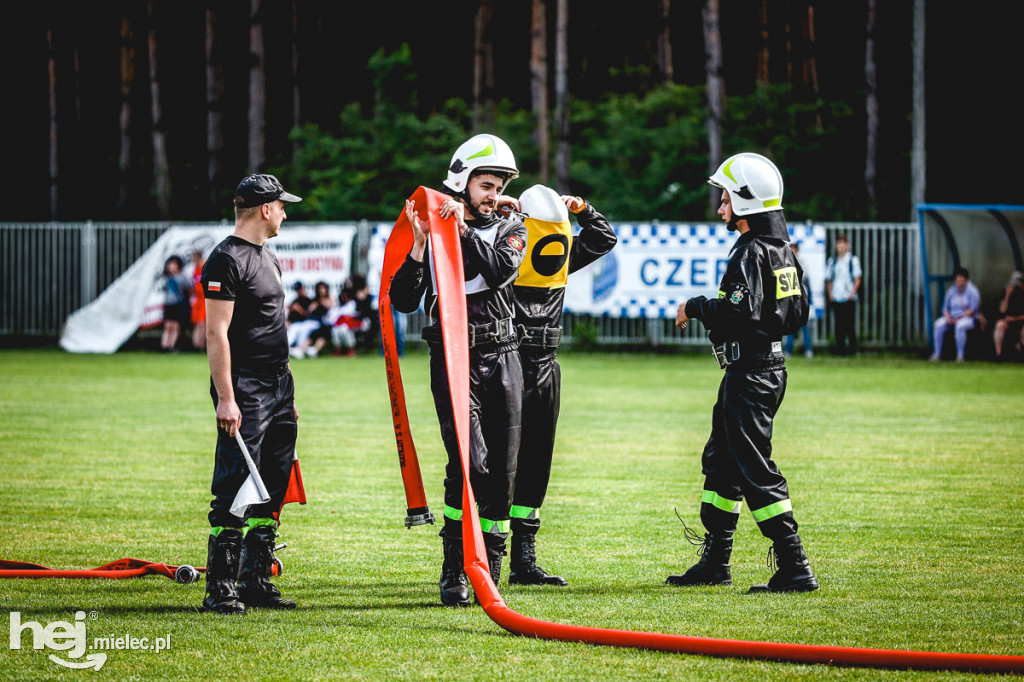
[(463, 196), (473, 211)]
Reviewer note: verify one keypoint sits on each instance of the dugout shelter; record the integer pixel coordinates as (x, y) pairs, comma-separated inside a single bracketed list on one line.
[(984, 238)]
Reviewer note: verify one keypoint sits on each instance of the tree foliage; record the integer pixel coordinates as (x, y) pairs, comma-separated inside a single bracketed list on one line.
[(636, 156)]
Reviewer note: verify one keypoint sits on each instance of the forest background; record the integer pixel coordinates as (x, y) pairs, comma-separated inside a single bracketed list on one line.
[(143, 110)]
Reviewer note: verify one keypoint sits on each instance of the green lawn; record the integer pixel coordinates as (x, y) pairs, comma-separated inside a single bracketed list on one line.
[(906, 478)]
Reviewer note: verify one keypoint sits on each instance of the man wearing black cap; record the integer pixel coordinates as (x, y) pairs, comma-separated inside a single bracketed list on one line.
[(252, 390)]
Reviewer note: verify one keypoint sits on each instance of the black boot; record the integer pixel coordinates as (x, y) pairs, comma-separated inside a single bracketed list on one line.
[(713, 566), (453, 583), (254, 586), (793, 572), (524, 568), (222, 561), (495, 545)]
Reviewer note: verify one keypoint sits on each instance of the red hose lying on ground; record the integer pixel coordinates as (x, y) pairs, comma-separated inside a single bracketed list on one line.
[(447, 255), (115, 570)]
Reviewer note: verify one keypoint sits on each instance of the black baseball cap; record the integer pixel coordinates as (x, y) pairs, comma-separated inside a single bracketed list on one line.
[(257, 190)]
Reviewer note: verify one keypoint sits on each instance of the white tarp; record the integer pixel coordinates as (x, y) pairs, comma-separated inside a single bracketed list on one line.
[(135, 299)]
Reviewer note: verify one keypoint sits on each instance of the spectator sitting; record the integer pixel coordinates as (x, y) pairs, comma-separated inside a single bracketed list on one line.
[(352, 319), (299, 308), (311, 334), (959, 312), (1012, 321)]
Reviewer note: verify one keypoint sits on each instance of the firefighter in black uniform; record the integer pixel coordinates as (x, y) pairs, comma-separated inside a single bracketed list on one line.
[(539, 295), (253, 392), (760, 300), (492, 249)]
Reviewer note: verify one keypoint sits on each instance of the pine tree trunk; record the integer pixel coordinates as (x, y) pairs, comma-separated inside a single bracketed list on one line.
[(763, 75), (917, 154), (715, 89), (562, 95), (871, 110), (296, 90), (809, 60), (539, 82), (257, 88), (161, 169), (124, 162), (665, 42), (51, 66), (214, 105), (483, 75)]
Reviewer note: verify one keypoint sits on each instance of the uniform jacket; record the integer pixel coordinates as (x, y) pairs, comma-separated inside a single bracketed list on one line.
[(760, 298), (492, 250)]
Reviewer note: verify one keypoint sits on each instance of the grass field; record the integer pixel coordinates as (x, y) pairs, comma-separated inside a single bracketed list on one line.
[(906, 478)]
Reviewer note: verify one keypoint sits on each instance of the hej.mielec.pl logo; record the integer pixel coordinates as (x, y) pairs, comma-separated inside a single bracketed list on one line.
[(71, 638)]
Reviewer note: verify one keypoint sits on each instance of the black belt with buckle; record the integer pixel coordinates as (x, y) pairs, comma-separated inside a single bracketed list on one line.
[(732, 353), (544, 338), (494, 333)]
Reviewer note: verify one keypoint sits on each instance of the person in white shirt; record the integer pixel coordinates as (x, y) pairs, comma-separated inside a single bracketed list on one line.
[(959, 313), (842, 282)]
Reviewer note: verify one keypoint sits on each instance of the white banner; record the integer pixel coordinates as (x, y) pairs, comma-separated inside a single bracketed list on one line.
[(135, 299), (655, 267)]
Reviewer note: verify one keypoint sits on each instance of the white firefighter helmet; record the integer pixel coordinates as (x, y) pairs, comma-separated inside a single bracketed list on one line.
[(482, 152), (753, 182), (543, 203)]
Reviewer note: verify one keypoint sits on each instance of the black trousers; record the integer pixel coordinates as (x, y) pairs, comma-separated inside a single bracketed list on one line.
[(495, 413), (267, 403), (737, 461), (846, 335), (542, 386)]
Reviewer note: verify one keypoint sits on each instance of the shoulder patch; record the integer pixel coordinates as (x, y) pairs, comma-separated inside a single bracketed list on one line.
[(739, 292), (516, 243)]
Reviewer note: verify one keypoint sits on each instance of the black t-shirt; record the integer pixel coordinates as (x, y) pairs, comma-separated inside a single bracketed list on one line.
[(304, 302), (1015, 306), (250, 276)]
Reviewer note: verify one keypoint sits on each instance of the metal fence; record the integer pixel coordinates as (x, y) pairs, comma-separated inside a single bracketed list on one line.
[(49, 270), (890, 315)]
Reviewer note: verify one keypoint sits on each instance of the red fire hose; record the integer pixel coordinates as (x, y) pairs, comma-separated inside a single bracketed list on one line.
[(447, 254), (115, 570)]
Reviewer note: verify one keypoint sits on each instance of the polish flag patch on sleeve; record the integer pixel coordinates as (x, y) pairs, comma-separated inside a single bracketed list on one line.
[(213, 286)]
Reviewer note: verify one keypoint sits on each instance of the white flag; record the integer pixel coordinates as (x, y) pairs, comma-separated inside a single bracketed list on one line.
[(252, 491)]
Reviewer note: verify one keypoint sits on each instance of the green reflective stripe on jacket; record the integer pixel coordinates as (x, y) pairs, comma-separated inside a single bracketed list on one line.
[(772, 510), (725, 504), (518, 512), (452, 513), (488, 526)]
